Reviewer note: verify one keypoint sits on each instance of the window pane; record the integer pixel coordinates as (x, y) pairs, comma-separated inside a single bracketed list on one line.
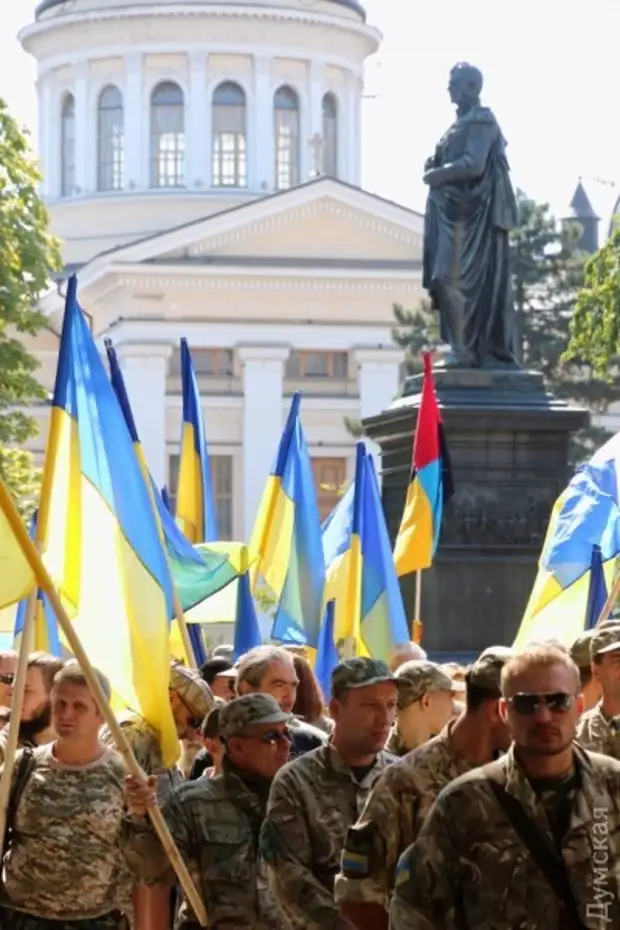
[(110, 140), (229, 136), (329, 480), (286, 134), (222, 481), (340, 365), (67, 147), (330, 136), (167, 136), (316, 364)]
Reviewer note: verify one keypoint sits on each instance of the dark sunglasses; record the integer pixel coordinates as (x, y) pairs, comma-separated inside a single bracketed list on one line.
[(6, 678), (272, 737), (527, 704), (194, 723)]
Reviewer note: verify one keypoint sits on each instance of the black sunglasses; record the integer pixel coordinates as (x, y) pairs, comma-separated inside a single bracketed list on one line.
[(527, 704), (6, 678), (272, 737)]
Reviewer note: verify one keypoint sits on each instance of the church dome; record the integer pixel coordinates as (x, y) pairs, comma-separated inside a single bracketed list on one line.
[(46, 5)]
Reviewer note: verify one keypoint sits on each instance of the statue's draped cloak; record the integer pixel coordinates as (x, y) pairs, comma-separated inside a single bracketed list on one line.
[(466, 233)]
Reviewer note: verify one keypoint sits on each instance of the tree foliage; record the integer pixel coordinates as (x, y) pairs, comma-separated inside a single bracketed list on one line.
[(28, 256)]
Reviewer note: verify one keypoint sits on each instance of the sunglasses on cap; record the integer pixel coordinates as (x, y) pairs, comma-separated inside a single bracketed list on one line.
[(525, 705), (6, 678)]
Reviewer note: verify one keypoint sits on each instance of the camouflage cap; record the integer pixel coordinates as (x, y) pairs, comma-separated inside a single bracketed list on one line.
[(580, 650), (210, 728), (606, 638), (242, 712), (192, 689), (486, 671), (359, 673), (416, 678)]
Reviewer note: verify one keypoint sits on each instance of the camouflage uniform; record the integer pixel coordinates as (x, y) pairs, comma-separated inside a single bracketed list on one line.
[(417, 678), (392, 817), (469, 870), (144, 739), (215, 824), (66, 859), (596, 731), (313, 802), (403, 796)]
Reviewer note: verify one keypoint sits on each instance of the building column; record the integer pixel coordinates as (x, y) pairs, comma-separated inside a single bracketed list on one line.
[(348, 155), (144, 369), (47, 117), (80, 95), (197, 125), (378, 379), (133, 124), (261, 161), (263, 384)]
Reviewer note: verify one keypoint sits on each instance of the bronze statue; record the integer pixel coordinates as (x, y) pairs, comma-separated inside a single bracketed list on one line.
[(470, 209)]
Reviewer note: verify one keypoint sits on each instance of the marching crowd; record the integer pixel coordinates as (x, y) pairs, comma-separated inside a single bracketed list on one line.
[(422, 797)]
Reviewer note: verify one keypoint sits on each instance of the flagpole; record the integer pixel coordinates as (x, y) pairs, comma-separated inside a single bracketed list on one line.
[(417, 623), (610, 602), (43, 580), (17, 702)]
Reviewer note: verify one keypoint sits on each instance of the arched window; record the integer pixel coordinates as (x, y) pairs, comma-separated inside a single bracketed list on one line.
[(110, 140), (167, 136), (330, 136), (286, 135), (229, 136), (67, 147)]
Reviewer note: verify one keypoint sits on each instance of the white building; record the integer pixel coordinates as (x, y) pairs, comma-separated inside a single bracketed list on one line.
[(201, 164)]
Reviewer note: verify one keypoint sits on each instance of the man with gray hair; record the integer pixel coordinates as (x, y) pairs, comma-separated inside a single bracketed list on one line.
[(530, 840), (406, 652), (65, 865), (271, 670)]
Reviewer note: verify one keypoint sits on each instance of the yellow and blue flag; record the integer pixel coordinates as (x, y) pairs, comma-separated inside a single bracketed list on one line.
[(287, 540), (597, 589), (327, 657), (17, 580), (430, 485), (195, 503), (586, 514), (360, 572), (46, 638), (247, 631), (99, 535)]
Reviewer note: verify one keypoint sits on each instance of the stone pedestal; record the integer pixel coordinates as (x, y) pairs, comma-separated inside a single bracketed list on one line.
[(508, 442)]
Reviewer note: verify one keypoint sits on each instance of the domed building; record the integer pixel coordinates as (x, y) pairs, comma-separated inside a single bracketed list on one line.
[(202, 166)]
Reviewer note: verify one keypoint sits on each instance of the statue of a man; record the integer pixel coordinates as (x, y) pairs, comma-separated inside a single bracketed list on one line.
[(470, 209)]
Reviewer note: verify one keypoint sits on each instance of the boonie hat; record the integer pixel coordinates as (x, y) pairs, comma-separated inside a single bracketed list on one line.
[(242, 712)]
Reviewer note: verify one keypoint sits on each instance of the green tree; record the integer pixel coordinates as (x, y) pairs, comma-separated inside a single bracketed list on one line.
[(28, 257), (547, 273)]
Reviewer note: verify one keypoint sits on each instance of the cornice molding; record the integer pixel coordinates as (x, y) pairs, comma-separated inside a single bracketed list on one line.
[(307, 284), (324, 206)]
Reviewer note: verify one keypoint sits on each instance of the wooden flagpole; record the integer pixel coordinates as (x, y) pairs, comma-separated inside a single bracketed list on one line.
[(416, 633), (7, 506)]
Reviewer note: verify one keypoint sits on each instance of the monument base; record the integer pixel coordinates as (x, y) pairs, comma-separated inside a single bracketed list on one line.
[(508, 443)]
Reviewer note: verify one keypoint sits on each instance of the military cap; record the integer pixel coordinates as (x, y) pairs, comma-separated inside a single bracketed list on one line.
[(359, 673), (192, 689), (606, 638), (486, 671), (210, 728), (580, 649), (243, 712), (416, 678)]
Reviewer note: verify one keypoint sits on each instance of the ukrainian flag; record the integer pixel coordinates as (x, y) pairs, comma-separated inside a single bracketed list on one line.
[(99, 534), (587, 513), (45, 623), (17, 580), (195, 504), (430, 485), (286, 540), (361, 578), (196, 574)]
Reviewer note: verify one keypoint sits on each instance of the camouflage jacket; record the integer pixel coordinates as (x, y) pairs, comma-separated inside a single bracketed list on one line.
[(144, 742), (66, 860), (395, 744), (215, 824), (596, 733), (392, 817), (469, 868), (313, 802)]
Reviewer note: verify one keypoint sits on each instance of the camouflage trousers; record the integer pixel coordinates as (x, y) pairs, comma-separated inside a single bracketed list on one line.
[(16, 920)]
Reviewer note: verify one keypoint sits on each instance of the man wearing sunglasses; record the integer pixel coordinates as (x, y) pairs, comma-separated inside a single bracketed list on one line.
[(599, 727), (215, 822), (530, 841), (316, 798), (405, 792)]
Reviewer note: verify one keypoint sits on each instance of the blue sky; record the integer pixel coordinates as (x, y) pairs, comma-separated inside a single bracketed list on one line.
[(549, 76)]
